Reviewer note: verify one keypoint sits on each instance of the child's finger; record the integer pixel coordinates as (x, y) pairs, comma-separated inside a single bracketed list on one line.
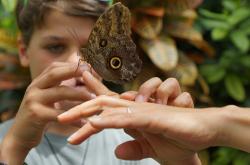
[(55, 75), (95, 85)]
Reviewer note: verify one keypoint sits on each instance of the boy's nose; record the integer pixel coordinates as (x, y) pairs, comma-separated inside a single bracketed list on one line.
[(74, 57)]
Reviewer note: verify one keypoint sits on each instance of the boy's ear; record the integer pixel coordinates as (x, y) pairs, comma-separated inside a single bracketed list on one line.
[(22, 52)]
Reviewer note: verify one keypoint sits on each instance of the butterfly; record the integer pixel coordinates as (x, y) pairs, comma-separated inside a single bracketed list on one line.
[(110, 49)]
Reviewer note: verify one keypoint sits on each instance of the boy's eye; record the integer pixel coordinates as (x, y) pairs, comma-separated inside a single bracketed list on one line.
[(56, 49)]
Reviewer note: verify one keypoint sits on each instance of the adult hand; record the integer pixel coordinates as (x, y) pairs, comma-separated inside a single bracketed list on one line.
[(147, 143), (156, 91)]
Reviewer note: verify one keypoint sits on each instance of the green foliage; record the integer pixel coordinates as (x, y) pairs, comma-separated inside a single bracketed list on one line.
[(13, 79), (9, 5), (226, 156), (7, 17), (226, 24), (230, 32)]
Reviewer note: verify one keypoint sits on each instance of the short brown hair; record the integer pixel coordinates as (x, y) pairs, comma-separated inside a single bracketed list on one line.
[(31, 15)]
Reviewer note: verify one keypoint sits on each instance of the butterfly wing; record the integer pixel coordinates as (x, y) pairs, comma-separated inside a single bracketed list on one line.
[(110, 49)]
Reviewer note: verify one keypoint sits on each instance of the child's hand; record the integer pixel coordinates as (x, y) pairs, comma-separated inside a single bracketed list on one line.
[(37, 108)]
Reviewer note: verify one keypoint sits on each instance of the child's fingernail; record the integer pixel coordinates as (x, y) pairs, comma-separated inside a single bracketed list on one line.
[(84, 67), (139, 98)]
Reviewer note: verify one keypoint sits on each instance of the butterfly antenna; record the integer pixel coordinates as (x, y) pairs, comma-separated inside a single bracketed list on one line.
[(91, 70)]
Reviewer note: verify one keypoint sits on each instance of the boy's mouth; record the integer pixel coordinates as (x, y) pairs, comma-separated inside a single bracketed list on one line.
[(80, 83)]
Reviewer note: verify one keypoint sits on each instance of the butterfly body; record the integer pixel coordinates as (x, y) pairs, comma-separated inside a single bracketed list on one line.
[(110, 49)]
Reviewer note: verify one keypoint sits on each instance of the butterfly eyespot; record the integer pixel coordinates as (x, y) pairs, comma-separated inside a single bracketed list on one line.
[(103, 43), (115, 62)]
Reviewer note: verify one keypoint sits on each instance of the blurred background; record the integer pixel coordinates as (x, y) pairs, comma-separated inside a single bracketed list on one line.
[(204, 44)]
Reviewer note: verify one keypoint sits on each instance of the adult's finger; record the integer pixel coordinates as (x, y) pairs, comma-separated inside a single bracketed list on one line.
[(129, 95), (169, 89), (120, 118), (82, 134), (91, 107), (147, 89), (183, 100)]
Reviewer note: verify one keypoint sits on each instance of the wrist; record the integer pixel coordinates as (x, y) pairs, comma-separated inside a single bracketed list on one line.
[(235, 128), (13, 152), (193, 160)]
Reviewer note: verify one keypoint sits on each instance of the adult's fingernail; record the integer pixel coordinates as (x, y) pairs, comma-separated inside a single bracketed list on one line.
[(140, 98), (159, 101), (64, 114), (94, 118), (72, 137)]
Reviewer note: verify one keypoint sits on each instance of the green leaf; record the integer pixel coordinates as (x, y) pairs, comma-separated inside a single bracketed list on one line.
[(228, 58), (26, 2), (238, 16), (212, 72), (245, 61), (240, 40), (230, 5), (244, 27), (219, 34), (235, 87), (9, 5), (212, 15), (210, 24)]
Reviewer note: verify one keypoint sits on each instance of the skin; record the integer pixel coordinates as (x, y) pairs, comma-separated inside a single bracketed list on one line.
[(168, 134), (148, 143), (52, 59), (53, 62)]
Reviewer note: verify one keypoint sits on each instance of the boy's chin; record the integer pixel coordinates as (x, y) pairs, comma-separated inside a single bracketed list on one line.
[(66, 105)]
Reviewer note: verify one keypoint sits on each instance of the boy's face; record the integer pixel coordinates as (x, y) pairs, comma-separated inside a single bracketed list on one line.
[(55, 42)]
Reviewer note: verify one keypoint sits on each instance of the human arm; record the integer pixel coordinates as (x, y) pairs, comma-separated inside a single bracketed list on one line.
[(154, 90), (234, 127), (38, 109), (188, 130)]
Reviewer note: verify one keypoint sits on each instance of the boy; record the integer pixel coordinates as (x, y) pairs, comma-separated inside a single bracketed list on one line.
[(49, 49)]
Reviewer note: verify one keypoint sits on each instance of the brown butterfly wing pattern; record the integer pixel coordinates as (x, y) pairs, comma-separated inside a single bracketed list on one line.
[(110, 49)]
